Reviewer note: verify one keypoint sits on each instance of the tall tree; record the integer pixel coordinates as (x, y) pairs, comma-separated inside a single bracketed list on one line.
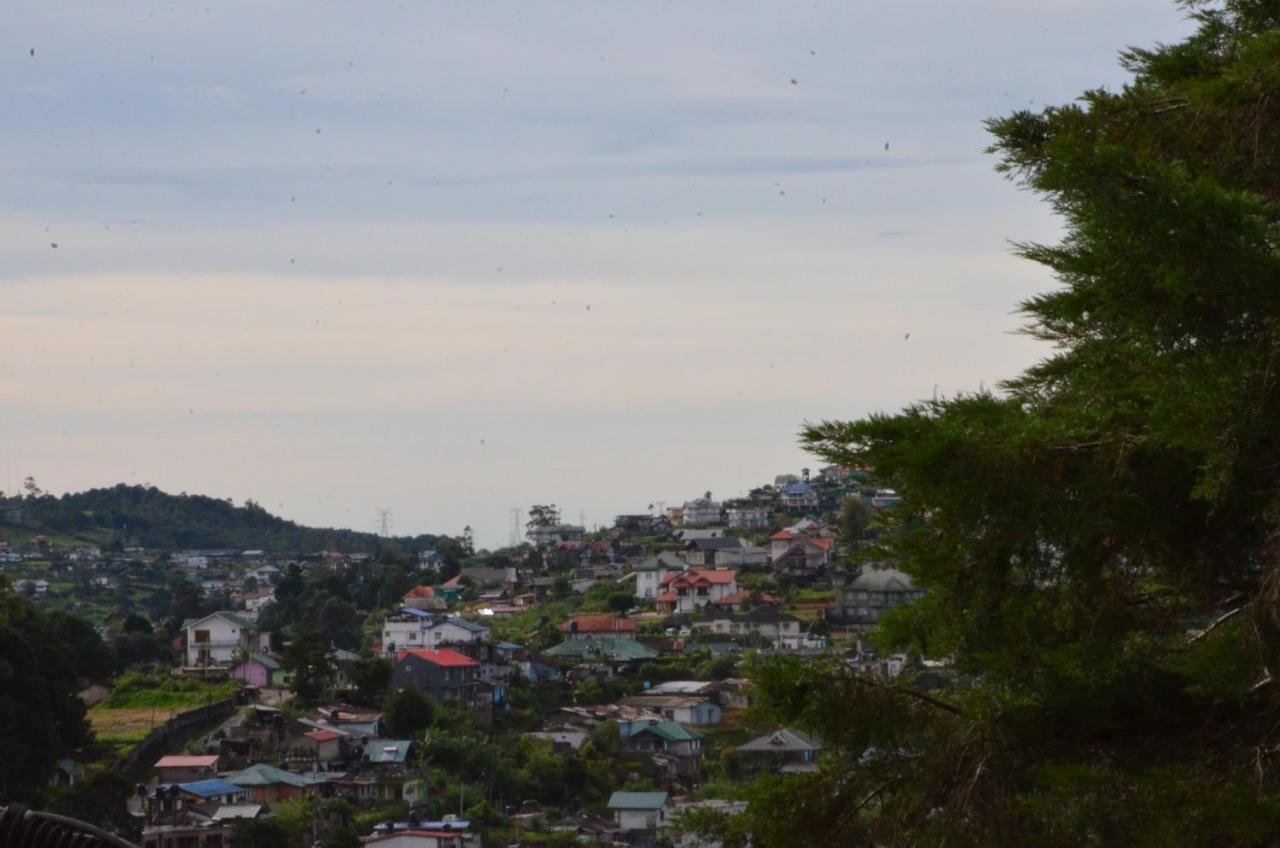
[(1100, 541)]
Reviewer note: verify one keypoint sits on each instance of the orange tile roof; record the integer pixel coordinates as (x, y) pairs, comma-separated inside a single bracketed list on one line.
[(420, 592)]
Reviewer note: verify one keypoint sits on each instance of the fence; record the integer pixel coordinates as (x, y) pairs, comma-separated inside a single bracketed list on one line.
[(174, 733)]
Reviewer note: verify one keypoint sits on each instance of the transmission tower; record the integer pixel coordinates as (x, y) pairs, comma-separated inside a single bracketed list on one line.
[(515, 526), (384, 523)]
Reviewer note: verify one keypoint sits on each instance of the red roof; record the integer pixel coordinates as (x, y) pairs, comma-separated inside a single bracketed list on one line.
[(701, 577), (599, 624), (454, 582), (666, 598), (180, 761), (323, 735), (444, 658), (824, 544), (420, 592), (782, 536)]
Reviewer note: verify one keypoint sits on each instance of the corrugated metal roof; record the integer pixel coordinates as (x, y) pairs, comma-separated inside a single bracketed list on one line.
[(637, 800)]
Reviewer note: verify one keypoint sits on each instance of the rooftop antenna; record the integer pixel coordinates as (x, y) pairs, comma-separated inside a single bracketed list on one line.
[(384, 523), (514, 539)]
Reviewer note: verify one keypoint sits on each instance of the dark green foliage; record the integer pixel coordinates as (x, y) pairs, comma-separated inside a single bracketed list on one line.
[(101, 798), (1080, 533), (259, 833), (372, 678), (408, 712), (151, 518), (309, 658), (41, 719)]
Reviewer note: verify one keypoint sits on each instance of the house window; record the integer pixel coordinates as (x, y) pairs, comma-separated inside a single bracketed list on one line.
[(202, 636)]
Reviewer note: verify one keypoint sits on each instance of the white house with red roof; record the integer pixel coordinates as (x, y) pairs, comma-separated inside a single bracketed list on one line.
[(687, 591)]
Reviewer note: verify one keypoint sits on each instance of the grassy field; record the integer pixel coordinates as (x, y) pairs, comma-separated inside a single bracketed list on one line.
[(140, 704), (123, 728)]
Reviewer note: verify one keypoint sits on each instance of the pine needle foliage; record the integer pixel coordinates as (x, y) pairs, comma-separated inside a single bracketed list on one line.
[(1098, 538)]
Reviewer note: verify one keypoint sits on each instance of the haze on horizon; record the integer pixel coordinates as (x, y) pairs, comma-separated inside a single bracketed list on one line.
[(452, 259)]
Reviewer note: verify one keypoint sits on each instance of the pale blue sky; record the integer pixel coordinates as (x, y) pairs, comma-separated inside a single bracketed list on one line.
[(339, 256)]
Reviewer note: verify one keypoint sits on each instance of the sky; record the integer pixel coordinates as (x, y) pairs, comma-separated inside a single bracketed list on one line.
[(452, 259)]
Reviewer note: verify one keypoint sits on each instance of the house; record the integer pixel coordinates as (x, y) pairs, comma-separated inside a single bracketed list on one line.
[(550, 534), (406, 629), (201, 791), (451, 832), (424, 598), (641, 524), (746, 557), (562, 741), (257, 670), (694, 589), (387, 775), (690, 710), (322, 745), (672, 745), (702, 511), (444, 675), (760, 625), (639, 815), (178, 768), (870, 594), (606, 650), (217, 639), (455, 631), (430, 559), (702, 552), (784, 750), (748, 517), (268, 785), (483, 577), (650, 573), (798, 497), (596, 626)]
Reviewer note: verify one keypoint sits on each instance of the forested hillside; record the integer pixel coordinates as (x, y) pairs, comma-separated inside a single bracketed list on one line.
[(146, 516)]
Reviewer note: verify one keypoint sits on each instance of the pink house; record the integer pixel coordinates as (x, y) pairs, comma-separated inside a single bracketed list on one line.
[(256, 670)]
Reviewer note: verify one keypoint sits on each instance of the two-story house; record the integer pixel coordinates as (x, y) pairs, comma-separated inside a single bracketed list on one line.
[(218, 639), (639, 816), (650, 573), (873, 592), (444, 675), (672, 745), (691, 590), (702, 511)]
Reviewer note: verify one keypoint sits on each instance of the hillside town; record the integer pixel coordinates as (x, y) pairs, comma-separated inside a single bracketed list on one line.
[(583, 687)]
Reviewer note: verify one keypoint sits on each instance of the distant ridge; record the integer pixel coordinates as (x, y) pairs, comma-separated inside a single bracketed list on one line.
[(150, 518)]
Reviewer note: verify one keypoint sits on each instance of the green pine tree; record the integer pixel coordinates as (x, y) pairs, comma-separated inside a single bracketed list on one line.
[(1099, 539)]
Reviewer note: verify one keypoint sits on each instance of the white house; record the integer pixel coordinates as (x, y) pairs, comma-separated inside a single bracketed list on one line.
[(455, 631), (751, 517), (639, 812), (651, 572), (216, 638), (702, 511), (406, 630)]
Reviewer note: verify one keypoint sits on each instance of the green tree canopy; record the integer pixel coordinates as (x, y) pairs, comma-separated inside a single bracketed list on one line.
[(1098, 540), (408, 712)]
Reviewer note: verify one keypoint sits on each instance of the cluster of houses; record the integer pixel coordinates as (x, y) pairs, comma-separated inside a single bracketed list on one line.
[(694, 573)]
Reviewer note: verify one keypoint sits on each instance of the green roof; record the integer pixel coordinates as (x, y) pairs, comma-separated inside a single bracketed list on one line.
[(262, 774), (266, 661), (671, 731), (606, 648), (637, 800)]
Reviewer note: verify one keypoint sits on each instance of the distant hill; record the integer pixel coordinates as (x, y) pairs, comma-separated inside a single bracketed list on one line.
[(146, 516)]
